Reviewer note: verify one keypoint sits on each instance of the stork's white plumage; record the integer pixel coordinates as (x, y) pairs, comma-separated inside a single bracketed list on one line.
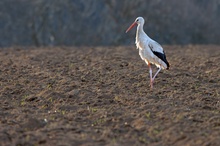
[(149, 50)]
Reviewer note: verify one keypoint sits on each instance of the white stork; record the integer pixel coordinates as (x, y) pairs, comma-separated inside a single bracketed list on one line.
[(149, 50)]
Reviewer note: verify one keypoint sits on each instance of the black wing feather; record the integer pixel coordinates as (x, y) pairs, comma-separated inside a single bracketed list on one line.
[(162, 56)]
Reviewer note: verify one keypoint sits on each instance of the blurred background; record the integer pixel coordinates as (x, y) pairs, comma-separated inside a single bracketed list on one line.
[(103, 22)]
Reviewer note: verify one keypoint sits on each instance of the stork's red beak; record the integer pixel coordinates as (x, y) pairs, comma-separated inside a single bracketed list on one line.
[(132, 25)]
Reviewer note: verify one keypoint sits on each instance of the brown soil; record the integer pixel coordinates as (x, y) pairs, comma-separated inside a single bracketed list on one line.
[(101, 96)]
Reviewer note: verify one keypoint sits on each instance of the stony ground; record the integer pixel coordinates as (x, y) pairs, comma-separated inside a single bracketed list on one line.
[(101, 96)]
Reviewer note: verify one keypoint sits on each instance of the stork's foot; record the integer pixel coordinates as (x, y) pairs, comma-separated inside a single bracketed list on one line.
[(151, 84)]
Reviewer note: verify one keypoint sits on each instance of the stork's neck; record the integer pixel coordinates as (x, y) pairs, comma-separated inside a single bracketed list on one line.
[(140, 32)]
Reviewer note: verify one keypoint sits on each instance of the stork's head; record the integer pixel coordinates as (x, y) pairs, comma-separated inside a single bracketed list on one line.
[(138, 21)]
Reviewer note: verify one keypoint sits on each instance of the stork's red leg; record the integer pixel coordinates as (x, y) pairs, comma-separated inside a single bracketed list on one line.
[(156, 73), (151, 79)]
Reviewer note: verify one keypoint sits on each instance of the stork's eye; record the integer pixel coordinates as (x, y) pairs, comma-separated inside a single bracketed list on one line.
[(137, 20)]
